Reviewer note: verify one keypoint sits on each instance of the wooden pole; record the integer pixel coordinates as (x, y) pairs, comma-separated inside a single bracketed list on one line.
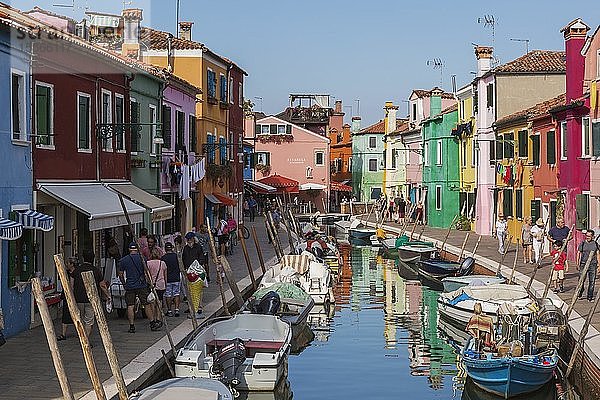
[(261, 260), (413, 230), (476, 245), (111, 354), (538, 263), (275, 232), (580, 284), (582, 335), (272, 237), (247, 259), (562, 249), (171, 370), (514, 267), (38, 294), (83, 338), (191, 306), (447, 235), (462, 249), (221, 262), (509, 240), (407, 219), (421, 233)]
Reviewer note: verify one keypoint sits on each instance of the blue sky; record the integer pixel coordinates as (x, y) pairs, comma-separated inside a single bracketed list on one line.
[(369, 50)]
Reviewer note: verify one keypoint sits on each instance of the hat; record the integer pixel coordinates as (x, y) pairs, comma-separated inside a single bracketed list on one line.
[(539, 222), (168, 246), (132, 246), (190, 235)]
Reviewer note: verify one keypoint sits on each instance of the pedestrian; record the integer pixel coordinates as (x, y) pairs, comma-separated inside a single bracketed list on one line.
[(204, 242), (158, 274), (222, 237), (192, 251), (66, 315), (401, 206), (276, 215), (559, 267), (559, 231), (173, 285), (589, 247), (143, 240), (537, 235), (83, 302), (136, 285), (527, 241), (252, 204), (246, 208), (152, 246), (419, 213), (501, 232), (231, 224)]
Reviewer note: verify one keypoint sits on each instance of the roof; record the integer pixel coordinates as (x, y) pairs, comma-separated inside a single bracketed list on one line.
[(536, 61), (447, 110), (379, 127), (280, 182), (533, 111), (40, 10), (427, 93), (402, 128)]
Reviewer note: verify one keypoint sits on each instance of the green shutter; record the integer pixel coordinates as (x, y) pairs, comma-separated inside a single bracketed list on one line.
[(499, 148), (596, 139), (180, 129), (523, 145), (193, 135), (166, 126), (257, 129), (519, 203), (273, 129), (135, 118), (83, 129), (42, 114), (536, 206), (535, 149), (550, 148), (507, 204), (288, 129), (509, 145), (581, 203)]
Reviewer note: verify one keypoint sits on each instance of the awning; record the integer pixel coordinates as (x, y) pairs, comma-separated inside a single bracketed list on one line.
[(212, 198), (95, 200), (340, 187), (312, 186), (35, 220), (260, 187), (10, 230), (224, 199), (280, 183), (160, 210)]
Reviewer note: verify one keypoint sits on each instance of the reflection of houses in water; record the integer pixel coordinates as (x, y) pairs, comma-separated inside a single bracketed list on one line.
[(342, 290), (319, 319), (367, 276)]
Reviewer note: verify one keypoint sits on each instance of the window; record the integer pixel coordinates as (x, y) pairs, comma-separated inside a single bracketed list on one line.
[(20, 258), (372, 164), (372, 142), (210, 145), (264, 129), (375, 193), (120, 120), (231, 96), (519, 203), (281, 129), (135, 118), (438, 159), (192, 133), (509, 145), (44, 114), (462, 110), (463, 159), (414, 111), (535, 150), (18, 105), (523, 145), (211, 83), (490, 95), (152, 116), (507, 203), (585, 137), (596, 138), (263, 158), (499, 147), (273, 129), (426, 154), (582, 201), (309, 172), (222, 150), (438, 197), (84, 122), (563, 140), (536, 209), (394, 155), (550, 148), (180, 144), (319, 158), (241, 94), (166, 126), (106, 118), (223, 88)]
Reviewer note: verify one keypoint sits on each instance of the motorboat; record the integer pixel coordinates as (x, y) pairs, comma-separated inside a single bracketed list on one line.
[(342, 225), (415, 252), (356, 231), (245, 352), (438, 268), (457, 306), (452, 283), (473, 392), (185, 389)]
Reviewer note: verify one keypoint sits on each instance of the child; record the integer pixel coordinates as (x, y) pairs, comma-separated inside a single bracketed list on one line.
[(559, 259)]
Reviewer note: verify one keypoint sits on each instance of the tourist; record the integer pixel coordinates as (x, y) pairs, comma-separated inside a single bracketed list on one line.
[(231, 224), (132, 266), (192, 251), (204, 243), (246, 209), (527, 241), (419, 213), (559, 267), (173, 284), (66, 315), (537, 234), (501, 232), (222, 237), (558, 232), (143, 239), (589, 247), (158, 275), (252, 204), (83, 302), (276, 215), (401, 209), (152, 246)]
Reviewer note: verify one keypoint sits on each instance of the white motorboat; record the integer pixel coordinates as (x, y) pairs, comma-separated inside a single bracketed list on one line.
[(246, 352), (409, 253), (453, 283), (457, 306), (185, 389), (342, 226)]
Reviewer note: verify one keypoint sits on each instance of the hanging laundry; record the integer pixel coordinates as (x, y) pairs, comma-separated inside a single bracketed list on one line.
[(184, 184), (507, 175), (519, 173)]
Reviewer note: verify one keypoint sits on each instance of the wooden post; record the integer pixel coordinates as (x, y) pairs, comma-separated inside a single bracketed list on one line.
[(83, 338), (191, 306), (512, 272), (261, 260), (247, 259), (562, 249), (538, 263), (580, 284), (421, 233), (509, 240), (171, 370), (38, 294), (476, 245), (462, 249), (447, 234), (111, 354), (275, 232), (221, 268), (413, 230), (582, 335), (272, 236), (407, 219)]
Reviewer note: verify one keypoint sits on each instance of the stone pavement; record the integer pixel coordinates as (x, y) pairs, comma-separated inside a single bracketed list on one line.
[(26, 368)]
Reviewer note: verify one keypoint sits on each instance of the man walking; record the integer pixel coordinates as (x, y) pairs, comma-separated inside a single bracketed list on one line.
[(252, 204), (83, 302), (132, 265), (173, 288), (192, 251), (589, 247)]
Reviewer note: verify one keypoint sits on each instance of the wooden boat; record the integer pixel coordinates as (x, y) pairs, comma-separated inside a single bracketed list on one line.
[(409, 253), (185, 389), (361, 233), (438, 268), (342, 226), (453, 283), (473, 392), (245, 351)]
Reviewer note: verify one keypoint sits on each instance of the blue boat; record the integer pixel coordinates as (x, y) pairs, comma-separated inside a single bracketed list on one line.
[(509, 376), (437, 268)]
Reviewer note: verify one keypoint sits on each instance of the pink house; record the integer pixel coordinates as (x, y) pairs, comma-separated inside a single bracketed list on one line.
[(285, 149)]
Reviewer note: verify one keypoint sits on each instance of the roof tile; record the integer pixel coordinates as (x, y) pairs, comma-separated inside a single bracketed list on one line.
[(536, 61)]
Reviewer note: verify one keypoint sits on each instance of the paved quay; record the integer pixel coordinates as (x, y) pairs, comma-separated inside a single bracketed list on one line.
[(26, 365)]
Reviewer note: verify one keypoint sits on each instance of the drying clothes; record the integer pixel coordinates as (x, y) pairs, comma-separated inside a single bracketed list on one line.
[(197, 171), (519, 174), (507, 176), (184, 183)]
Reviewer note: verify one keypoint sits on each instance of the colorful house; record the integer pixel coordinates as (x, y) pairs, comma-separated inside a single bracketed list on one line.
[(440, 162), (341, 158), (465, 132), (394, 173), (368, 162)]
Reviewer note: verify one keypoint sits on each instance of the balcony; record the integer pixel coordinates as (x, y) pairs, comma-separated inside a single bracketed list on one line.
[(312, 115)]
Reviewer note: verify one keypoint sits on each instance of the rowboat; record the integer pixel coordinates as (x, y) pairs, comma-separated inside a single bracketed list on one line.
[(409, 253), (453, 283), (438, 268), (185, 389)]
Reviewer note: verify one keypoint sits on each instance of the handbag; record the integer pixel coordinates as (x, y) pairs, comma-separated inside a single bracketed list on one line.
[(151, 297)]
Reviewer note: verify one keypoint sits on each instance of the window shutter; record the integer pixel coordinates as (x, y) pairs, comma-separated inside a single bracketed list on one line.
[(257, 130), (166, 126), (507, 205), (523, 148), (268, 159), (490, 95), (509, 145), (550, 148), (273, 129), (288, 129), (499, 148), (192, 132), (519, 203), (535, 149), (581, 201), (492, 151), (535, 209), (596, 139), (135, 118)]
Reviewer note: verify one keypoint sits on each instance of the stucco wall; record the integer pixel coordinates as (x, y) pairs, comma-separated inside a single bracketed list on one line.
[(518, 92)]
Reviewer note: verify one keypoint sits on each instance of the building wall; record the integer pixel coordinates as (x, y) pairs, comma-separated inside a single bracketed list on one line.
[(363, 180), (236, 128), (518, 92), (414, 164), (396, 177), (591, 79)]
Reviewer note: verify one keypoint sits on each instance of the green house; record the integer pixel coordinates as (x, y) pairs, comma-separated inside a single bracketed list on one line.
[(368, 162)]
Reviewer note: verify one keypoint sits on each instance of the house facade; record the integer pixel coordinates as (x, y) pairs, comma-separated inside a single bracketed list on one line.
[(394, 171), (368, 162), (465, 132)]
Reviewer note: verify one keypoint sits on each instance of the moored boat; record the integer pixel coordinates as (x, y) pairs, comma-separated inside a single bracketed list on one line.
[(438, 268), (415, 252), (453, 283), (185, 389)]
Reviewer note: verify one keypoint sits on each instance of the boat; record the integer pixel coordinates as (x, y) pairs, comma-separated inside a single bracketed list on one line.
[(453, 283), (436, 269), (245, 351), (473, 392), (457, 306), (185, 389), (355, 231), (409, 253), (342, 225)]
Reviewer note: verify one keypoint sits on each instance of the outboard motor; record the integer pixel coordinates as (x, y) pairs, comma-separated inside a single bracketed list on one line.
[(227, 361), (466, 267), (269, 304)]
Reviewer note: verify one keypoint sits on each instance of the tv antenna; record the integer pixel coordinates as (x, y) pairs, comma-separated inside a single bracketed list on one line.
[(489, 21), (526, 41), (437, 63), (357, 107), (72, 6)]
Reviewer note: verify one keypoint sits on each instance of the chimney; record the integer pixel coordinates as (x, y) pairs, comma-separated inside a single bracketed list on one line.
[(435, 102), (390, 114), (575, 35), (338, 107), (185, 30), (132, 20), (355, 125), (484, 59)]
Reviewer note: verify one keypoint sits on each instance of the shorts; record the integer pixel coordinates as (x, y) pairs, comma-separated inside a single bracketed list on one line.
[(558, 274), (173, 289), (87, 313), (527, 244), (131, 294)]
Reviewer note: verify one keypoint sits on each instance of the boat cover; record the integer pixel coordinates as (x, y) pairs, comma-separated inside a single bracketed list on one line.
[(284, 290), (497, 292), (300, 263)]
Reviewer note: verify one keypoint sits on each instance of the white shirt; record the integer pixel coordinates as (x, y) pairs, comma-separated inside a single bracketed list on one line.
[(501, 226), (536, 232)]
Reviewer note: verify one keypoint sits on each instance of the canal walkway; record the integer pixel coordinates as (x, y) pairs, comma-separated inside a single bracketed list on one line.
[(26, 365)]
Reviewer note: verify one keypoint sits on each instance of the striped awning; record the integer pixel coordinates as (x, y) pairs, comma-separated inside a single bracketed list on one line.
[(10, 230), (35, 220)]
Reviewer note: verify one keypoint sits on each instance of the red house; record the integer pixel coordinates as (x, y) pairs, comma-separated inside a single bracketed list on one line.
[(236, 128)]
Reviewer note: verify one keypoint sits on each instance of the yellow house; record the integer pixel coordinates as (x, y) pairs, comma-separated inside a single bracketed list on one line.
[(198, 65), (467, 155)]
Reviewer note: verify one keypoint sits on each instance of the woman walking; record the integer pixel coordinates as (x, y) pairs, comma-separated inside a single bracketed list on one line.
[(537, 233), (501, 232), (66, 315), (527, 241)]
